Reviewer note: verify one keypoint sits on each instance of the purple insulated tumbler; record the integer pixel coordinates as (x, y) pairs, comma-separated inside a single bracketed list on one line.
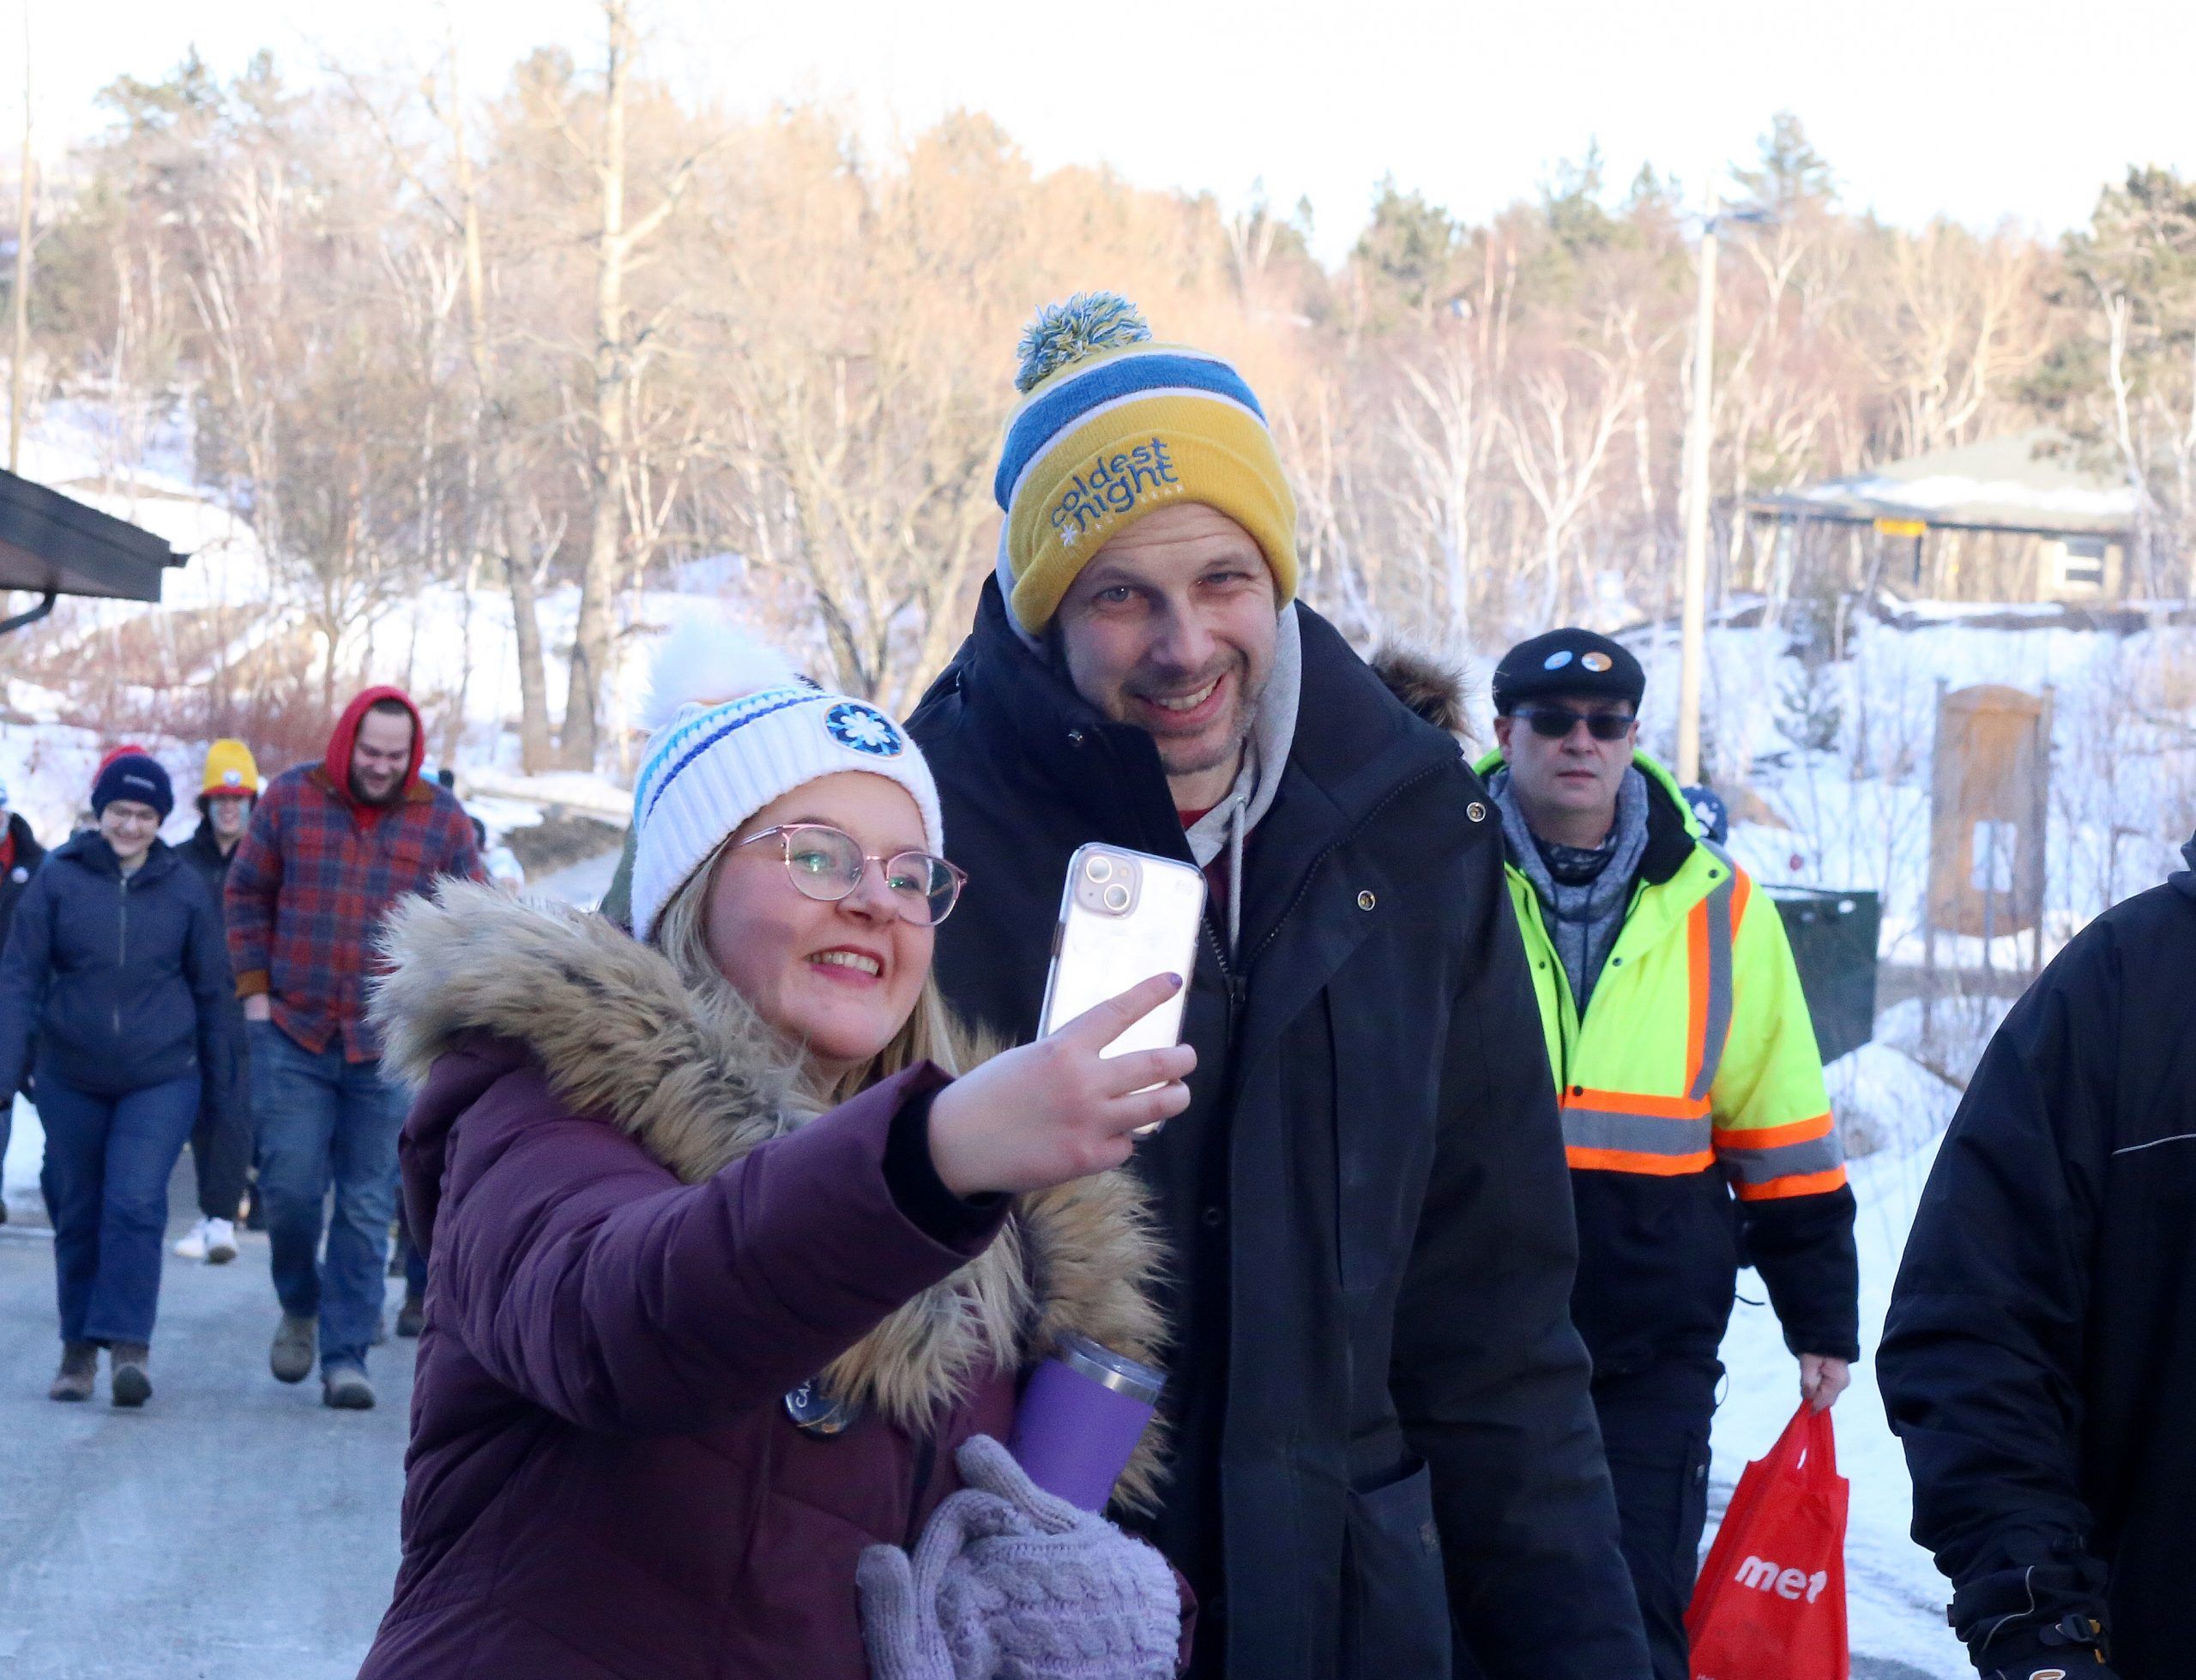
[(1082, 1413)]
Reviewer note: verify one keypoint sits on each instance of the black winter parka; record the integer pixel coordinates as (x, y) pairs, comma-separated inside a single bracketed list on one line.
[(15, 878), (122, 981), (1375, 1375), (202, 852), (2039, 1359)]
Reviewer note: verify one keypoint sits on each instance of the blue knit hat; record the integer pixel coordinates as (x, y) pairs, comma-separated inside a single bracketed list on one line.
[(133, 775)]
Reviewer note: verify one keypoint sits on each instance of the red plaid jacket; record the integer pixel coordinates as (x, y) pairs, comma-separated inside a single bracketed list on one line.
[(311, 879)]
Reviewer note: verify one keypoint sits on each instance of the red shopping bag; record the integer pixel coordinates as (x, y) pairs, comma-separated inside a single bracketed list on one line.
[(1771, 1602)]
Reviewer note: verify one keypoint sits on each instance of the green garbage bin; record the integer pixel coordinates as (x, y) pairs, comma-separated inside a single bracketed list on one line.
[(1833, 937)]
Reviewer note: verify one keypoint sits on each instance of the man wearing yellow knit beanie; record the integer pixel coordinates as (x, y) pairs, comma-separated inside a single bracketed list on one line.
[(220, 1139), (1384, 1446)]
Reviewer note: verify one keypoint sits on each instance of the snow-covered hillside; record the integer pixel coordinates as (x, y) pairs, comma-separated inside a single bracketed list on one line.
[(452, 649)]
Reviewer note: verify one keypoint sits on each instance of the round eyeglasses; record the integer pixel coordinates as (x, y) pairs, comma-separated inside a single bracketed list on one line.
[(827, 864)]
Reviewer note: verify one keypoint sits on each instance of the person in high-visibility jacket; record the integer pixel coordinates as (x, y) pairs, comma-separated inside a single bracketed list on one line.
[(1695, 1119)]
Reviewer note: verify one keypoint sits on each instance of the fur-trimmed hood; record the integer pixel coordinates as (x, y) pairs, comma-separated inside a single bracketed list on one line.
[(699, 1082), (1432, 688)]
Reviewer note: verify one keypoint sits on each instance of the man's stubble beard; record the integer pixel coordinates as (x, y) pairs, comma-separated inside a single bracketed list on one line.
[(358, 792), (1231, 749)]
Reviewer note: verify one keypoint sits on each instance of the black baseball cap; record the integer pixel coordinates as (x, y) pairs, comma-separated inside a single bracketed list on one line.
[(1570, 661)]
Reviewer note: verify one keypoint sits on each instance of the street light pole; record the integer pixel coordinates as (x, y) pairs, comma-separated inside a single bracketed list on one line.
[(20, 347), (1694, 637)]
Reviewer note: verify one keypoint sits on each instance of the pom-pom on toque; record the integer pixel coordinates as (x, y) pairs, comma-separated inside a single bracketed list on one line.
[(708, 661), (1061, 335)]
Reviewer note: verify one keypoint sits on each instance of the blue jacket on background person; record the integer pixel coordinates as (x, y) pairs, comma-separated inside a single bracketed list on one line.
[(124, 983)]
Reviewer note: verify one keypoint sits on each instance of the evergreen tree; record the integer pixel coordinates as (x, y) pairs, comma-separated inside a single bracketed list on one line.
[(2126, 387), (1409, 252), (1790, 176)]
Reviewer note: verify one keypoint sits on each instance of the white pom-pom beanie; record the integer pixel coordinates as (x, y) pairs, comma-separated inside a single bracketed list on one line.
[(738, 727)]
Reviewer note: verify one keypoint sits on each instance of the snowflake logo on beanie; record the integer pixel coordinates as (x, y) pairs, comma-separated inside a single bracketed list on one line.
[(864, 729)]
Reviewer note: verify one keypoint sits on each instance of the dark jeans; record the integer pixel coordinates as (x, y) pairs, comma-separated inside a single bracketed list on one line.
[(325, 1121), (1654, 1430), (105, 1180), (221, 1141)]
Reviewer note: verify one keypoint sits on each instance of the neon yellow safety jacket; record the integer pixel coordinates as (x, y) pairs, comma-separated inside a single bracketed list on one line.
[(1693, 1077)]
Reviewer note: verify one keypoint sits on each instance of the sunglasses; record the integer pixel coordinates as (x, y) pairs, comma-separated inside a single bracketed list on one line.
[(1553, 722), (827, 864)]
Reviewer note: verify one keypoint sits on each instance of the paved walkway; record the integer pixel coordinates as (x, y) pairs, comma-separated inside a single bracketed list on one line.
[(234, 1529)]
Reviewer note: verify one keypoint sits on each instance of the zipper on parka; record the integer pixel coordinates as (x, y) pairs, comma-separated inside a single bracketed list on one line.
[(121, 953)]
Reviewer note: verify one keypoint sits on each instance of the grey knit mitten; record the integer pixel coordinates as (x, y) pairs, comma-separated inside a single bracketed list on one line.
[(1010, 1583)]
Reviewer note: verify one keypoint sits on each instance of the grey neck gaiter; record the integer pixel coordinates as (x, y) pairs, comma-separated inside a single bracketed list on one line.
[(1584, 915)]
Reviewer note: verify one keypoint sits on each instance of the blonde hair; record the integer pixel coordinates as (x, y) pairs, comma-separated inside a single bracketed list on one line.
[(930, 1033)]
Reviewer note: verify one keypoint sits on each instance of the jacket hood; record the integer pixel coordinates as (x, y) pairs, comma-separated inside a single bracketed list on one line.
[(698, 1083), (1430, 686), (89, 850), (2184, 881), (28, 849), (345, 736)]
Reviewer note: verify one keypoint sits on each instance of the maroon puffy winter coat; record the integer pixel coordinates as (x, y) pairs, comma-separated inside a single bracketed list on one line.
[(637, 1251)]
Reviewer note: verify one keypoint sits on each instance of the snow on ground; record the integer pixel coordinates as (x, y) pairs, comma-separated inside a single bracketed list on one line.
[(1896, 1597), (582, 884), (26, 1154)]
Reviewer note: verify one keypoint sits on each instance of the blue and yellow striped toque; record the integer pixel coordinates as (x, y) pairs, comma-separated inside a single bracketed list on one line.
[(1113, 426)]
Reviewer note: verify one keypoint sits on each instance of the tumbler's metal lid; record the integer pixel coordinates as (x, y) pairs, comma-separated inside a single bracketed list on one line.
[(1109, 1370)]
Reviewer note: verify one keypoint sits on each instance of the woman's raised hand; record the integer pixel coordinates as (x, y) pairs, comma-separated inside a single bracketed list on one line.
[(1057, 1110)]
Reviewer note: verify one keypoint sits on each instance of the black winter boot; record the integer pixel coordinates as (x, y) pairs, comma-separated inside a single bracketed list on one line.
[(79, 1373), (126, 1373)]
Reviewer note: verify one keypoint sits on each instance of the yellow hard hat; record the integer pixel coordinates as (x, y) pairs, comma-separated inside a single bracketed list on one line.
[(230, 769)]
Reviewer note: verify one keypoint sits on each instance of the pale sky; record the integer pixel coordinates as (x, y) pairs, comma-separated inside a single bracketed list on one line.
[(2019, 108)]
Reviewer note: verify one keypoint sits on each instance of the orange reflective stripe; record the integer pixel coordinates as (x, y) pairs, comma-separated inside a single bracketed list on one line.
[(1772, 1137), (1635, 1102), (1797, 1183), (1629, 1160), (1742, 889)]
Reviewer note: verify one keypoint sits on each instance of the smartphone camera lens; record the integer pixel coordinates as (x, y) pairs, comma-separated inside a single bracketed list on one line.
[(1117, 897), (1100, 870)]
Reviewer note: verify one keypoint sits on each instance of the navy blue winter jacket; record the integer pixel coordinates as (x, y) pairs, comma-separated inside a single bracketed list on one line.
[(2039, 1361), (123, 982)]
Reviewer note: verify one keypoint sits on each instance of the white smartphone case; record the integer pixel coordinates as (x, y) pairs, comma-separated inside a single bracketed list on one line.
[(1124, 917)]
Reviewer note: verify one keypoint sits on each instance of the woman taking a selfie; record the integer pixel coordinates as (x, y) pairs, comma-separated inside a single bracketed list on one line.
[(114, 969), (724, 1267)]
